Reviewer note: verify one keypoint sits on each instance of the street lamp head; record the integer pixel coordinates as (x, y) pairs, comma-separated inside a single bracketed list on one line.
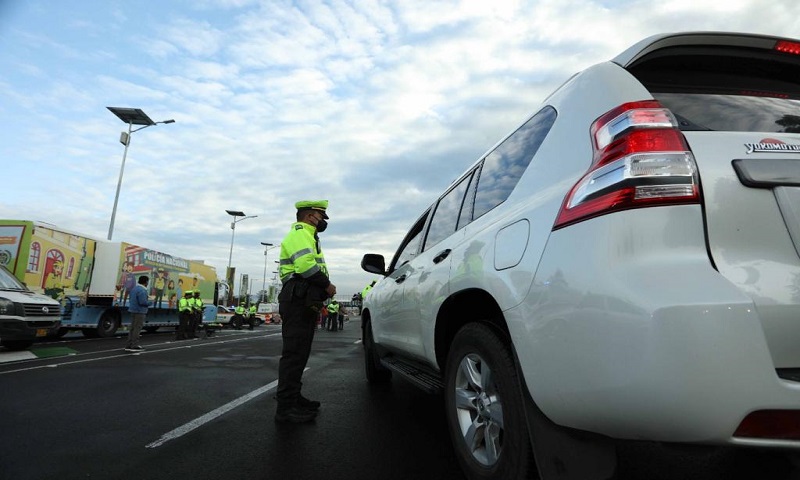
[(235, 213), (131, 116), (266, 244)]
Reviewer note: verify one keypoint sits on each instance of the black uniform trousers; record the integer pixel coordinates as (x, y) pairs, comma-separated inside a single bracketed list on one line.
[(299, 324), (183, 326)]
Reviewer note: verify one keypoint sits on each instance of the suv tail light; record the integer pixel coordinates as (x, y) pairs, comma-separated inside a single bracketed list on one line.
[(641, 159)]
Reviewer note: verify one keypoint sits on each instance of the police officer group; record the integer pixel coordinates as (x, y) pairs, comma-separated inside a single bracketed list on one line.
[(190, 315), (242, 313)]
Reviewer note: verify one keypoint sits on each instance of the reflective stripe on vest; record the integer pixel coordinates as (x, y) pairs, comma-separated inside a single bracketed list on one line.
[(300, 253)]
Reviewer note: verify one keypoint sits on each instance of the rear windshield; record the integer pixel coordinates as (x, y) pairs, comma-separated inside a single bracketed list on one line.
[(735, 89), (733, 113)]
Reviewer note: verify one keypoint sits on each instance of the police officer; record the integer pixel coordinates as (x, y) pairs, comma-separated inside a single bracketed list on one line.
[(238, 317), (252, 318), (364, 295), (333, 315), (306, 286), (184, 314), (197, 314)]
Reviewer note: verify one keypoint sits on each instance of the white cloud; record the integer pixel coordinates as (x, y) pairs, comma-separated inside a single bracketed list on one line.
[(376, 106)]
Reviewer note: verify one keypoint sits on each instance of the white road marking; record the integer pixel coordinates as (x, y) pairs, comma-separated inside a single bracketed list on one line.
[(16, 356), (149, 351), (200, 421)]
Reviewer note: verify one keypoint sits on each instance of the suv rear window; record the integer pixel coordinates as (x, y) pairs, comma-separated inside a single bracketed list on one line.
[(736, 89), (733, 113)]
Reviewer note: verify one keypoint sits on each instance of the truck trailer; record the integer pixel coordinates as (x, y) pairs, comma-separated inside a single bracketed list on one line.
[(91, 278)]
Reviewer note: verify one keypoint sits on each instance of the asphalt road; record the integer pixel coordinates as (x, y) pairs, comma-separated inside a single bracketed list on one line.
[(83, 409), (204, 410)]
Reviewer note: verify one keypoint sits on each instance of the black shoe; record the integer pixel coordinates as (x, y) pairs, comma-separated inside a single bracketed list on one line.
[(307, 404), (295, 415), (134, 349)]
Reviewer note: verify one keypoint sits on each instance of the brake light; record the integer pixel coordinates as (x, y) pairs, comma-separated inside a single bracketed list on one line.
[(640, 159), (788, 47)]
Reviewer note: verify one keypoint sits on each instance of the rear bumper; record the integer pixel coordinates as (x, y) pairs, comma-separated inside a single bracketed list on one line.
[(638, 337)]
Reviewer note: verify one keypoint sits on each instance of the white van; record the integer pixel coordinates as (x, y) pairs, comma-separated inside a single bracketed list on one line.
[(24, 315)]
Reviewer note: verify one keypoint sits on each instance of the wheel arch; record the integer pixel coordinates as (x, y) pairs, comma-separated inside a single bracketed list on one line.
[(460, 308)]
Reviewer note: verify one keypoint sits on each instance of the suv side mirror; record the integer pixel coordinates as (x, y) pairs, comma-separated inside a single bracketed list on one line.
[(374, 263)]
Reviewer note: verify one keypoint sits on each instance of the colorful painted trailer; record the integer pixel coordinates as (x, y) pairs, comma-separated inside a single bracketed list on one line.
[(92, 278)]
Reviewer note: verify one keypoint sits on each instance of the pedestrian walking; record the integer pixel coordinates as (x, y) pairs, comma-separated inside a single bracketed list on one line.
[(306, 285), (139, 303)]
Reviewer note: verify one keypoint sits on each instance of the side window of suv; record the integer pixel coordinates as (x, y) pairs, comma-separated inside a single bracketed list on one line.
[(445, 218), (503, 167), (410, 246)]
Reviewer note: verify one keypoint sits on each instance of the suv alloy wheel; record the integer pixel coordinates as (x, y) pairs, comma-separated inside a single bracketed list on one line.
[(484, 408)]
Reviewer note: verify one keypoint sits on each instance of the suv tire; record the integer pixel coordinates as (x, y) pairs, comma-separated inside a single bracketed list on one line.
[(376, 373), (484, 409)]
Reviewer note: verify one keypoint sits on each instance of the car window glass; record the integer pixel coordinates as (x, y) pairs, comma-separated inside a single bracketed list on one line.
[(410, 246), (724, 88), (469, 203), (733, 113), (503, 167), (445, 219)]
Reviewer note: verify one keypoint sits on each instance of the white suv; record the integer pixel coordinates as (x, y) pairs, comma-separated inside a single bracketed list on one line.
[(623, 266)]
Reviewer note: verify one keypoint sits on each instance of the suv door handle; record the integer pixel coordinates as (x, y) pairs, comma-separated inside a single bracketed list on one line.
[(401, 278), (441, 255)]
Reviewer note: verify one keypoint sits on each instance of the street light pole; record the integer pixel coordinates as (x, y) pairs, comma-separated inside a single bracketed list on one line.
[(228, 276), (130, 116), (264, 283)]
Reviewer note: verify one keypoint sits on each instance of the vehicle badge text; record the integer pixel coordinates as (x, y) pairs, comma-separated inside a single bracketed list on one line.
[(770, 145)]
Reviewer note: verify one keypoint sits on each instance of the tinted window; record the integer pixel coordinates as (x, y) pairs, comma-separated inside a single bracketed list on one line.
[(504, 166), (410, 246), (724, 88), (445, 219), (733, 113), (469, 203)]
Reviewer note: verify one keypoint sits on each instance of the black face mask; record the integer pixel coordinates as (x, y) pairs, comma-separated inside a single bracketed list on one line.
[(321, 225)]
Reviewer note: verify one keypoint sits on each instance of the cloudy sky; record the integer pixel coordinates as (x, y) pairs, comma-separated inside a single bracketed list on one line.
[(374, 105)]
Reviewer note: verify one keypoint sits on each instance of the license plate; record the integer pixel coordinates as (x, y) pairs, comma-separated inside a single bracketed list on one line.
[(41, 332)]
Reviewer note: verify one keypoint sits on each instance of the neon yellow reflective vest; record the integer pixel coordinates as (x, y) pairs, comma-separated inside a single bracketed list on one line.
[(240, 310), (183, 305), (301, 253), (365, 291), (333, 308)]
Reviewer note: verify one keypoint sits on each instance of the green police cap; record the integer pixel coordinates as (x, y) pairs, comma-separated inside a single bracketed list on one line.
[(319, 205)]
